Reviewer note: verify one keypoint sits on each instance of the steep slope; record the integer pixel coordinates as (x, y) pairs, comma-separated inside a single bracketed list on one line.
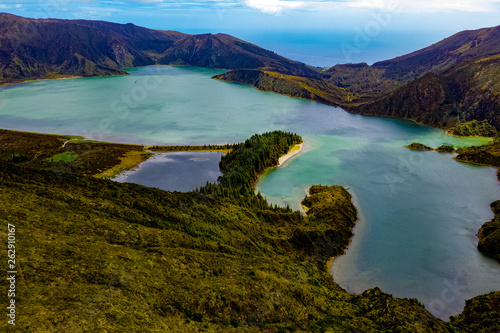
[(38, 48), (153, 42), (489, 234), (453, 63), (476, 317), (225, 51), (448, 83), (47, 48), (361, 79), (387, 75), (469, 91), (452, 51)]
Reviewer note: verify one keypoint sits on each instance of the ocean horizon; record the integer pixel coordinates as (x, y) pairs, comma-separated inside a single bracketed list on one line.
[(326, 48)]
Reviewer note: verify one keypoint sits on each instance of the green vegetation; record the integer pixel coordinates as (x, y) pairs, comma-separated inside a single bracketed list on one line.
[(474, 128), (418, 146), (51, 153), (102, 256), (169, 149), (488, 154), (479, 314), (248, 160), (68, 156), (97, 255), (310, 88), (468, 91), (243, 165), (440, 149), (489, 234), (73, 154), (331, 217), (445, 149)]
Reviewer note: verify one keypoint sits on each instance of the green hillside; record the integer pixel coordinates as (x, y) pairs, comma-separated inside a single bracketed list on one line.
[(96, 255)]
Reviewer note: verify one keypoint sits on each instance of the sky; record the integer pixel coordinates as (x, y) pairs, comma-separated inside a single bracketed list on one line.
[(354, 30)]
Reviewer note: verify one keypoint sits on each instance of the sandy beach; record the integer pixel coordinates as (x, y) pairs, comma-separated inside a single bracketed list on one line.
[(294, 151)]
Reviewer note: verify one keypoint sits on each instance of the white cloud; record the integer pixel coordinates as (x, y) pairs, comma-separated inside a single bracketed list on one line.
[(417, 6), (275, 7), (149, 1), (95, 12)]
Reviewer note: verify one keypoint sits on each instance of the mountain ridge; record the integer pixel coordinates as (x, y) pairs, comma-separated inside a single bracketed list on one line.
[(47, 48), (442, 85)]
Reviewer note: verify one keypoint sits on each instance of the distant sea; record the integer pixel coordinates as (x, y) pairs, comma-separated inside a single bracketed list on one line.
[(325, 48)]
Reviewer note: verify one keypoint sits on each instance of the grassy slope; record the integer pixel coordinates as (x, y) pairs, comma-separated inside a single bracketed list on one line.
[(468, 91), (95, 255), (290, 85), (480, 314), (65, 153)]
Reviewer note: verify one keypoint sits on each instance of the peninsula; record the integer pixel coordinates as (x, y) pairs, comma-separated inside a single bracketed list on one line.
[(206, 260)]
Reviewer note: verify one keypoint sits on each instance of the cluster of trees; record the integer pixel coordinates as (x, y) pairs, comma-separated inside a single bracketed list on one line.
[(216, 262), (246, 161), (225, 147)]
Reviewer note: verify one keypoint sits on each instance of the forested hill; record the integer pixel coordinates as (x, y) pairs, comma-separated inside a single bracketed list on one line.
[(51, 48)]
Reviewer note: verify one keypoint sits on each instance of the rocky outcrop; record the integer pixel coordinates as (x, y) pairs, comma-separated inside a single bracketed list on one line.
[(474, 128), (489, 234), (418, 146), (331, 217)]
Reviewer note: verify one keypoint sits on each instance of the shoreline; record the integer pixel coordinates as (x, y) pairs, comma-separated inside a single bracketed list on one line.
[(8, 84), (292, 152)]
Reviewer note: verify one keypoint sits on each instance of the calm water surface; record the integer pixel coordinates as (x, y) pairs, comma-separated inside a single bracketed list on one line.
[(419, 211), (183, 171)]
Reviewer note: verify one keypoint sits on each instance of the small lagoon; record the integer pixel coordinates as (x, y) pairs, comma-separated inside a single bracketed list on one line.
[(180, 171)]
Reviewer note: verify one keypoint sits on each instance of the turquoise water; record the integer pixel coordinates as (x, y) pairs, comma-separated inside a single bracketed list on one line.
[(419, 211)]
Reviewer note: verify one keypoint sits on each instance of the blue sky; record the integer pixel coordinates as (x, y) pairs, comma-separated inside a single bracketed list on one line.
[(268, 14), (414, 23)]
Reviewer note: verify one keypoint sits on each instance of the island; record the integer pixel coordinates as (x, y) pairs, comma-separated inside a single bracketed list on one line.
[(422, 147)]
